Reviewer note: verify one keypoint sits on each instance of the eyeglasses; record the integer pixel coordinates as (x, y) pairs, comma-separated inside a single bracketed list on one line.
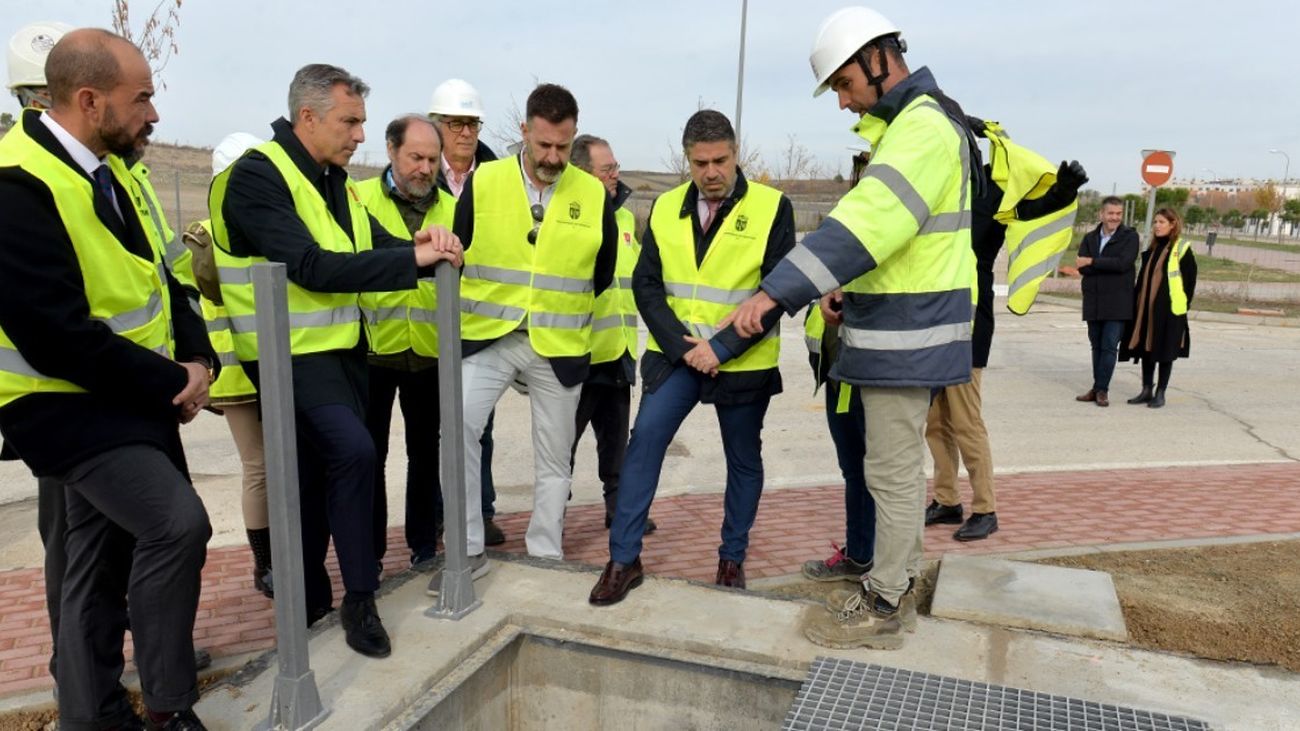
[(607, 170), (460, 125), (537, 212)]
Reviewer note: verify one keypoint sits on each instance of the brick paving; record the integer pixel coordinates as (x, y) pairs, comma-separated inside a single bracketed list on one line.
[(1036, 511)]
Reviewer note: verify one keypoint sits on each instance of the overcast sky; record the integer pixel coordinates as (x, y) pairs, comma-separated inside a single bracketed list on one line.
[(1098, 81)]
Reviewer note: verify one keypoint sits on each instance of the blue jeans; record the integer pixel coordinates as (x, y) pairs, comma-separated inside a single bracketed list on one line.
[(659, 416), (1104, 336), (849, 433)]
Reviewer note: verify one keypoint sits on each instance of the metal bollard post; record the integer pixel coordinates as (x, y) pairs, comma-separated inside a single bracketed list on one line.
[(456, 597), (295, 702)]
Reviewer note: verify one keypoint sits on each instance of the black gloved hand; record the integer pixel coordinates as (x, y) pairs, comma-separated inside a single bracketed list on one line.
[(1071, 176)]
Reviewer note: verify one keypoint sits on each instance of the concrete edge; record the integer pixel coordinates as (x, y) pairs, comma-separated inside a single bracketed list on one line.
[(1201, 315)]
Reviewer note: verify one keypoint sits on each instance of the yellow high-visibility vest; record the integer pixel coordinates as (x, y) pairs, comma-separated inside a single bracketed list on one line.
[(318, 321), (614, 331), (125, 292), (175, 254), (701, 296), (233, 385), (406, 319), (1174, 274), (548, 285)]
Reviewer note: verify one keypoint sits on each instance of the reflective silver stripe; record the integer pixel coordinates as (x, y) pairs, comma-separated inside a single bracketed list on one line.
[(492, 310), (496, 274), (217, 324), (235, 275), (814, 344), (162, 350), (135, 318), (1029, 275), (608, 322), (678, 290), (561, 284), (813, 268), (423, 315), (625, 282), (1175, 274), (630, 321), (174, 248), (905, 339), (324, 318), (243, 324), (715, 295), (384, 314), (558, 321), (11, 361), (228, 359), (898, 184), (946, 223), (1041, 233), (705, 332)]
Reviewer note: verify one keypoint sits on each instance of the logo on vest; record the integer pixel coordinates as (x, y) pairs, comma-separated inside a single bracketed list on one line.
[(575, 210), (741, 222)]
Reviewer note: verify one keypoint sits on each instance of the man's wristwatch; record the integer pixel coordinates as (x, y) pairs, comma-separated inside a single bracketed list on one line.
[(212, 372)]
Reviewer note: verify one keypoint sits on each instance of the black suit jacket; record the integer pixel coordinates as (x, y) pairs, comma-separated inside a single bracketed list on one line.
[(1108, 281), (43, 309)]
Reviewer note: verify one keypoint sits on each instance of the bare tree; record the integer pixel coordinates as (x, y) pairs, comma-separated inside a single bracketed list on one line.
[(156, 38), (675, 162), (795, 162), (505, 135)]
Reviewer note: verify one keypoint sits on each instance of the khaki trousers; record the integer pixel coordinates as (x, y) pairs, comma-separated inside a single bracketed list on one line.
[(895, 468), (955, 428), (246, 428)]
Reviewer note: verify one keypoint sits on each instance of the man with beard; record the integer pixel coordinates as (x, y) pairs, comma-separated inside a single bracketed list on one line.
[(291, 201), (100, 358), (403, 333), (540, 244)]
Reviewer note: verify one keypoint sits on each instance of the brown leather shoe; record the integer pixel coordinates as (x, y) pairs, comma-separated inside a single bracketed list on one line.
[(1091, 395), (1102, 399), (730, 573), (615, 583)]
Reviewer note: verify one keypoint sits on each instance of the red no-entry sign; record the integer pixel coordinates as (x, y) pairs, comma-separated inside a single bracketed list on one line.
[(1157, 168)]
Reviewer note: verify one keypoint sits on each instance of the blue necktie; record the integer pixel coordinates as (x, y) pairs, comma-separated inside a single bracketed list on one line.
[(104, 179)]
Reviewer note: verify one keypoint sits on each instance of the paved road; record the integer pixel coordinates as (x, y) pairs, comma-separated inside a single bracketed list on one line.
[(1234, 401)]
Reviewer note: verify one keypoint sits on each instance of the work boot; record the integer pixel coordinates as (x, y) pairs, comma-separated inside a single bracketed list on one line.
[(362, 628), (838, 567), (936, 513), (1157, 400), (260, 541), (862, 620), (906, 605), (492, 533), (1143, 397), (1091, 395)]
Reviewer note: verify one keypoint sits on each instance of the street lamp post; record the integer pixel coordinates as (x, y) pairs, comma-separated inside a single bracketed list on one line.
[(1286, 172), (740, 69)]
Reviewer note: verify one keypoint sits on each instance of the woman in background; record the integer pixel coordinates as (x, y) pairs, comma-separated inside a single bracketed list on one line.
[(1157, 334)]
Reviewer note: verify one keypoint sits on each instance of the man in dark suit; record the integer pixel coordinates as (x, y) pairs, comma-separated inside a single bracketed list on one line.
[(1106, 260), (100, 359)]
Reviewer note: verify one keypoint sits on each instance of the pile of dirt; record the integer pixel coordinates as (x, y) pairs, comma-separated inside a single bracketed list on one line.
[(1234, 602)]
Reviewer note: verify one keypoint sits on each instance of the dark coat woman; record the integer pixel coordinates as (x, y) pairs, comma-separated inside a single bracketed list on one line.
[(1157, 335)]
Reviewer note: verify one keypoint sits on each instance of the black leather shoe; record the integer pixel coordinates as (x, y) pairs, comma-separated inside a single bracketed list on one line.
[(364, 632), (936, 513), (615, 582), (1157, 400), (1143, 397), (492, 533), (978, 527), (730, 573), (179, 721), (263, 582), (202, 659)]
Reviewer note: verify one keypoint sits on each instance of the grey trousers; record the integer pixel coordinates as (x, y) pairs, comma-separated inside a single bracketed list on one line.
[(136, 537)]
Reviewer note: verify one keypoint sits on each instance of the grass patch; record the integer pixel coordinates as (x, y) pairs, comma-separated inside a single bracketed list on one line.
[(1219, 269), (1212, 303), (1261, 244)]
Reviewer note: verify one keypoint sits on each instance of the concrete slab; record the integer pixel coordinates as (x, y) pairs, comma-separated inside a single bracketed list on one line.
[(1053, 599), (678, 621)]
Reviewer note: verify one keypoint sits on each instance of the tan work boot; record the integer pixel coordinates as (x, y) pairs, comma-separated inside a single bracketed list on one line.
[(906, 604), (863, 620)]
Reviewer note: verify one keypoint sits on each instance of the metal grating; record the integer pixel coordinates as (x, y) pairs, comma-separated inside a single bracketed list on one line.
[(842, 694)]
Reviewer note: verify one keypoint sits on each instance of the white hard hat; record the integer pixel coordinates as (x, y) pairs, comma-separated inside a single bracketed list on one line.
[(840, 36), (456, 98), (28, 49), (231, 149)]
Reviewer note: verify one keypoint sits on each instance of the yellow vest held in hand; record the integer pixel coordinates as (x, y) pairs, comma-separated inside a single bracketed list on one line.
[(125, 292), (545, 286), (318, 321), (702, 296), (405, 320), (614, 331)]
